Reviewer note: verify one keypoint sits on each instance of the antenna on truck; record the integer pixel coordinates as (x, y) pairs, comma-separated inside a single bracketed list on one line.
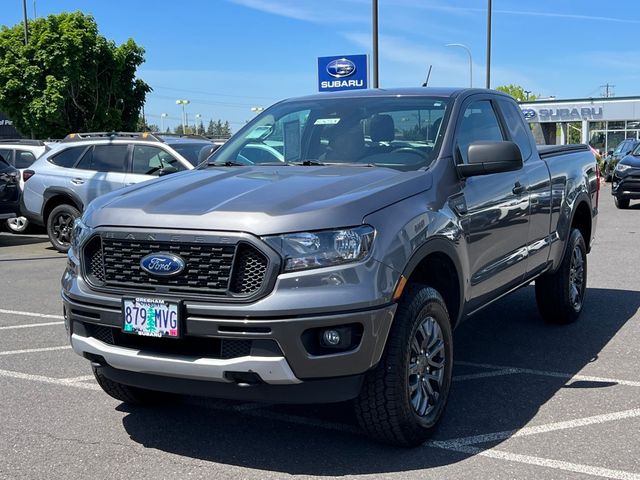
[(426, 82)]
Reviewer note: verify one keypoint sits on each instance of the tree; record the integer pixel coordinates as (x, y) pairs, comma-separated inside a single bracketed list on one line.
[(69, 78), (211, 128), (178, 130), (226, 130), (517, 92), (200, 129)]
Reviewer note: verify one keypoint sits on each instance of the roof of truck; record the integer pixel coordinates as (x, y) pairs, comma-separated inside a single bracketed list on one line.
[(391, 92)]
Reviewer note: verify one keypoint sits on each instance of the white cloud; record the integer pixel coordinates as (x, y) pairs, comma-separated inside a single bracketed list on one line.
[(345, 11)]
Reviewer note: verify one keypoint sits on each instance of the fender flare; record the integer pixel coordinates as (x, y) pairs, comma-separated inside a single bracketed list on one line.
[(582, 197), (445, 247), (51, 192)]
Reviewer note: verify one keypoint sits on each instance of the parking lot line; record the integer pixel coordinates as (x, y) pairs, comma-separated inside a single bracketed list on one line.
[(544, 373), (548, 463), (494, 373), (35, 350), (50, 380), (30, 314), (536, 429), (31, 325)]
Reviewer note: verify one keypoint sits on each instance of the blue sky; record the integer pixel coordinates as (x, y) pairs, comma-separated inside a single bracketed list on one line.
[(229, 55)]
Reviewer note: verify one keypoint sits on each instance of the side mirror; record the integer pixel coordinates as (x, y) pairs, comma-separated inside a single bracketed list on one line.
[(167, 170), (610, 152), (484, 158), (206, 152)]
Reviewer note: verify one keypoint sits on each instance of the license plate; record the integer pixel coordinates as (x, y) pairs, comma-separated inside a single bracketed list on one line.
[(151, 317)]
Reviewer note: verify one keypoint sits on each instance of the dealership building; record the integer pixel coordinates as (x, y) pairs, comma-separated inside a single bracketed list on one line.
[(601, 122)]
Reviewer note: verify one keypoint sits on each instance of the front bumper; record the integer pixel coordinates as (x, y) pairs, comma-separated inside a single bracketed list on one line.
[(627, 186)]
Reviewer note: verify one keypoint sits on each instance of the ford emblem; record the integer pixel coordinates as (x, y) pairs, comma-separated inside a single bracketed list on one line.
[(162, 264), (341, 68)]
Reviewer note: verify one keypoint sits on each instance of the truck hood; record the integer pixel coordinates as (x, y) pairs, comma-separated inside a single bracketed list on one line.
[(259, 200)]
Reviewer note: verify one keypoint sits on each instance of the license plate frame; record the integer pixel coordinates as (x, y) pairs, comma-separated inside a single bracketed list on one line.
[(169, 311)]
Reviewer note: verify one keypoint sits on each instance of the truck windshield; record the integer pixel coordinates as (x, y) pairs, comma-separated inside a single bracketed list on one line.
[(396, 132)]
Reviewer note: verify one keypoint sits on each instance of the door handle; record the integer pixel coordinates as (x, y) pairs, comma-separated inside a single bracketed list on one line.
[(77, 181), (518, 189)]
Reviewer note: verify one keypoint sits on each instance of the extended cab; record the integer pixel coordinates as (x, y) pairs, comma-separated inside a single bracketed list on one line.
[(327, 252)]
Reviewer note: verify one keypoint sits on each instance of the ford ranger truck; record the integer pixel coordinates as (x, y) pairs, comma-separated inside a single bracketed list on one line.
[(326, 253)]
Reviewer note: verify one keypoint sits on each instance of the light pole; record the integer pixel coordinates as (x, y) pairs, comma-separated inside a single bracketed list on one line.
[(374, 29), (257, 110), (489, 44), (183, 102), (197, 117), (26, 27), (470, 60), (162, 117)]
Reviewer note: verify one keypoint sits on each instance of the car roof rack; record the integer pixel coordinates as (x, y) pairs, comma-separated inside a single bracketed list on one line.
[(75, 137), (182, 135), (23, 141)]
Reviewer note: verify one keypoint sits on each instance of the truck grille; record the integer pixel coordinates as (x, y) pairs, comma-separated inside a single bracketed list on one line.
[(236, 270)]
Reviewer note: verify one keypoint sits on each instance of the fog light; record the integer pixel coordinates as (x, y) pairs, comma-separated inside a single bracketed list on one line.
[(331, 338)]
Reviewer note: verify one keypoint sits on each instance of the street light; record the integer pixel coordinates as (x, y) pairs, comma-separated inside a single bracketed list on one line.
[(489, 7), (470, 60), (162, 117), (183, 102), (257, 110), (197, 116)]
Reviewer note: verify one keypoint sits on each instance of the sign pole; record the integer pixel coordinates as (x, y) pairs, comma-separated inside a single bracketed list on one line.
[(374, 18), (489, 44)]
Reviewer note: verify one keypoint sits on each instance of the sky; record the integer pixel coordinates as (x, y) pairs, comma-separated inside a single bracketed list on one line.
[(227, 56)]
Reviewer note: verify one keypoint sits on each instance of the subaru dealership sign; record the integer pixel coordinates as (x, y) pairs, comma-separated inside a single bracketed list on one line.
[(347, 72)]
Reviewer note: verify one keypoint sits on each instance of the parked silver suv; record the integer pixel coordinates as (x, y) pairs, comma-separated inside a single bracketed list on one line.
[(84, 166)]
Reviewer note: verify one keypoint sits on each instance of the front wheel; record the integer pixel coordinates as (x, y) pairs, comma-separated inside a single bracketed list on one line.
[(621, 203), (60, 226), (560, 295), (403, 398)]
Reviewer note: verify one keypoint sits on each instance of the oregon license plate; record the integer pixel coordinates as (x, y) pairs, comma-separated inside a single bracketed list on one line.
[(151, 317)]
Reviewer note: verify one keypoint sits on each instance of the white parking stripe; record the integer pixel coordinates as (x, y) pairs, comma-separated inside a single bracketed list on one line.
[(569, 376), (31, 325), (35, 350), (549, 463), (495, 373), (43, 379), (30, 314), (536, 429), (82, 378)]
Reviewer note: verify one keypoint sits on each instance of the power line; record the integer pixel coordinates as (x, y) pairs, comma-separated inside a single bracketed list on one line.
[(607, 90), (207, 102), (213, 94)]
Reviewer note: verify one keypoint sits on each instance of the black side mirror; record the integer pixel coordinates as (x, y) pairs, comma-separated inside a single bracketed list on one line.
[(484, 158), (167, 170)]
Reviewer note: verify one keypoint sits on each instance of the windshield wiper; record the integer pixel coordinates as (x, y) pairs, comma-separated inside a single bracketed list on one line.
[(309, 163), (228, 163)]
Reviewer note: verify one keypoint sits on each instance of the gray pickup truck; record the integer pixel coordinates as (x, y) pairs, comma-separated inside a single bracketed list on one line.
[(326, 253)]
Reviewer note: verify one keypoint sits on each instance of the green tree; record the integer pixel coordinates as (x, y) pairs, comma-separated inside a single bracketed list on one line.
[(178, 130), (517, 92), (226, 129), (69, 78), (211, 128)]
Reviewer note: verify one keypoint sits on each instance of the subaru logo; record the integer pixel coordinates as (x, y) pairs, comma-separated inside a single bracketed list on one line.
[(341, 68), (162, 264), (528, 113)]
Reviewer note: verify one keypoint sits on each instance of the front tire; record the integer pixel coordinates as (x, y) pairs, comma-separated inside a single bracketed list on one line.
[(403, 398), (621, 203), (560, 295), (60, 226)]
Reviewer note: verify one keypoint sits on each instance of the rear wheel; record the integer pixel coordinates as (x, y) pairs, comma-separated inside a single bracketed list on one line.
[(60, 226), (403, 398), (129, 394), (18, 224), (560, 295), (622, 203)]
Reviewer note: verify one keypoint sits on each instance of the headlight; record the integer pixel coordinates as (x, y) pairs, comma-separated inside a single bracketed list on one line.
[(79, 234), (323, 248), (621, 167)]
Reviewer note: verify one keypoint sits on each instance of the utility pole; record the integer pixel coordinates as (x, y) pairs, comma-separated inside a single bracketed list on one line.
[(374, 21), (26, 27), (527, 92), (488, 85), (607, 90)]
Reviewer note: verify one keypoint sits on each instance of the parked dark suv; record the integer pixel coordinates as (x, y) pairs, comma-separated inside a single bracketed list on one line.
[(623, 149), (625, 184)]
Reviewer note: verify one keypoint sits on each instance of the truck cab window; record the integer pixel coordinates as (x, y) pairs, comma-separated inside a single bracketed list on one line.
[(479, 123)]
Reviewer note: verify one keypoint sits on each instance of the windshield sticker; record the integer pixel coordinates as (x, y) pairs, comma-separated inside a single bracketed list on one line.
[(326, 121), (292, 140)]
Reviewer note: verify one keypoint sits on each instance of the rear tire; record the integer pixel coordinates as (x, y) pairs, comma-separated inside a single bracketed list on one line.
[(130, 395), (621, 203), (17, 224), (403, 398), (560, 295), (60, 226)]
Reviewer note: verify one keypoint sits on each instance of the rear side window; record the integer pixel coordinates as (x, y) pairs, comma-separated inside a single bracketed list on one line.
[(68, 157), (105, 158), (479, 124), (5, 153), (516, 125), (24, 158)]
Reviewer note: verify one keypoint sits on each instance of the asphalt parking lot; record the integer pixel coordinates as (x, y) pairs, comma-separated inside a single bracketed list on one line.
[(529, 400)]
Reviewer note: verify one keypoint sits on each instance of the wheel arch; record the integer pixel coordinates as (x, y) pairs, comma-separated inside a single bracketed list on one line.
[(55, 196)]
